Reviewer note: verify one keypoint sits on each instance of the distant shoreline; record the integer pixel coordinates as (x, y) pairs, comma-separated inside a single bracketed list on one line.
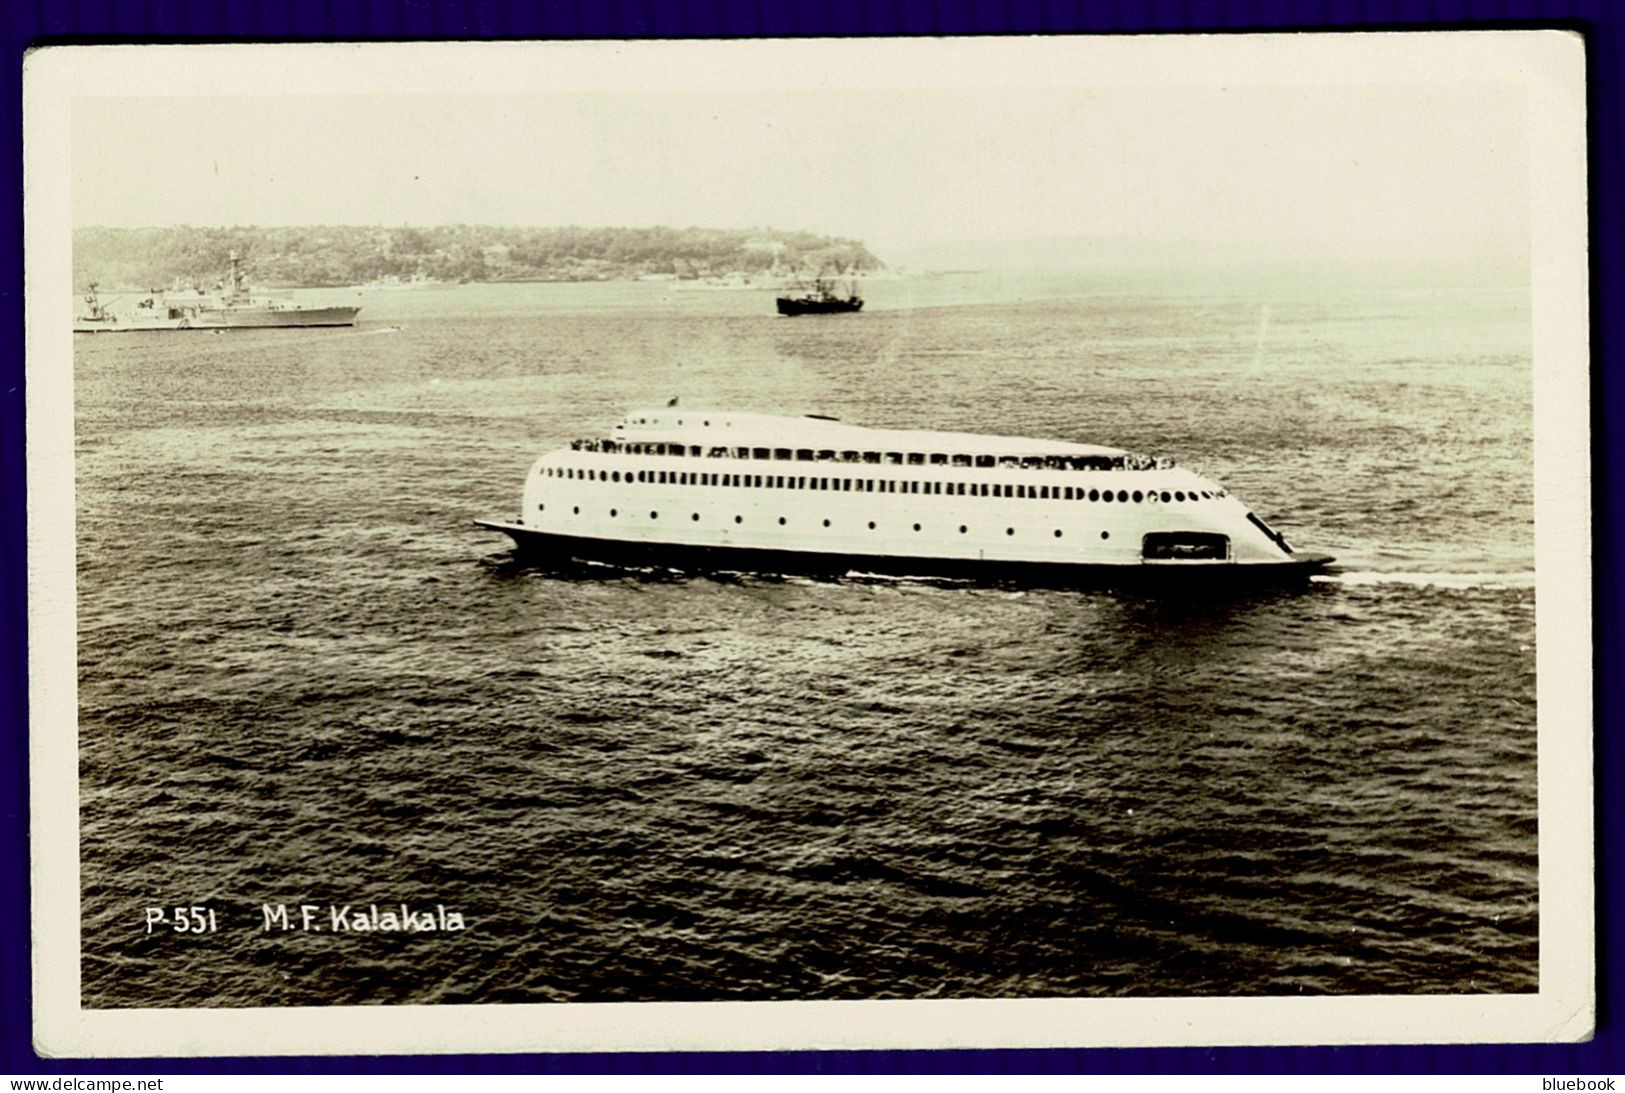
[(333, 257)]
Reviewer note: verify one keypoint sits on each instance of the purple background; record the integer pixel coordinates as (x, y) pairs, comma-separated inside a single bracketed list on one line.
[(25, 24)]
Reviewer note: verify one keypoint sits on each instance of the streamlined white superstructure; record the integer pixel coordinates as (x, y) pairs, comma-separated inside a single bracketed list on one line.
[(714, 489)]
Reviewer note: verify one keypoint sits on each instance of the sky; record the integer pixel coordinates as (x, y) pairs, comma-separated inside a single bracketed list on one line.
[(1382, 168)]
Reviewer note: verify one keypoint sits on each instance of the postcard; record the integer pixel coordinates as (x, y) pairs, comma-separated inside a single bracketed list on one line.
[(761, 545)]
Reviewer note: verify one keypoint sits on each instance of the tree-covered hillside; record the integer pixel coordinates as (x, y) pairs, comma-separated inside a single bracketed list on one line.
[(142, 258)]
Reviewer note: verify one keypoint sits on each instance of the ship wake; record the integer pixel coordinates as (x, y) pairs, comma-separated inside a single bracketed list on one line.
[(1493, 581)]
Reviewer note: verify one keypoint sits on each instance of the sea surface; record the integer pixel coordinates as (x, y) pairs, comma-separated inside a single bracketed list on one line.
[(305, 678)]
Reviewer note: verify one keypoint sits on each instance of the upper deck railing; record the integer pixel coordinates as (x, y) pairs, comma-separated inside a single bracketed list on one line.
[(1126, 461)]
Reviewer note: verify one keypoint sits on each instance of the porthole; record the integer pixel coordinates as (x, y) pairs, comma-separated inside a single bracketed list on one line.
[(781, 521), (1179, 495), (1107, 496), (696, 516), (961, 529), (1105, 535), (612, 512), (654, 516), (615, 476), (541, 508), (575, 510), (1138, 496), (707, 424), (871, 525), (1122, 495), (826, 523), (1009, 531), (1165, 496), (916, 527), (739, 519), (1094, 495), (1057, 533)]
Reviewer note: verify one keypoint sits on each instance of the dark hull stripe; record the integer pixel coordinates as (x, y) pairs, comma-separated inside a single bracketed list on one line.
[(125, 328), (801, 307), (703, 559), (331, 316)]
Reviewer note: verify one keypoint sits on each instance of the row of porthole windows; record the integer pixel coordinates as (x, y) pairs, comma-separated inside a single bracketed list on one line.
[(655, 515), (870, 485)]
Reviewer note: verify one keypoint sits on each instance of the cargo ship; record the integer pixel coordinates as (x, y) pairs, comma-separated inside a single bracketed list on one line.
[(822, 300)]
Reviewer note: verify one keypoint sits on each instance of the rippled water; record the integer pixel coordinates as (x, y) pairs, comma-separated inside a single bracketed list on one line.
[(305, 678)]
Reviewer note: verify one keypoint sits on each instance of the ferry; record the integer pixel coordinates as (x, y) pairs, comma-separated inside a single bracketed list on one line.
[(698, 491)]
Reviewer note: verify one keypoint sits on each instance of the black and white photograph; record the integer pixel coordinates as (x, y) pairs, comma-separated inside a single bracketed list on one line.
[(796, 544)]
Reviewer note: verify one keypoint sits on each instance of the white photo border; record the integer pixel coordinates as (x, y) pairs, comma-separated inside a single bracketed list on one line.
[(1549, 65)]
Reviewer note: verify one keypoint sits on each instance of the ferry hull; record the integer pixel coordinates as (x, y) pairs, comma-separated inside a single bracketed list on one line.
[(549, 547)]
